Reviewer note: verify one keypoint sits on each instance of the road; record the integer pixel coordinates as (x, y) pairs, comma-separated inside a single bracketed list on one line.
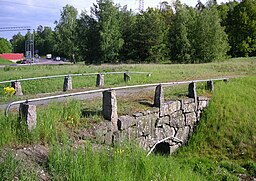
[(41, 61)]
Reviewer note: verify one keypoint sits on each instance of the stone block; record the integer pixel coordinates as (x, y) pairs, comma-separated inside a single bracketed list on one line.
[(146, 124), (110, 107), (174, 148), (174, 106), (17, 86), (127, 77), (203, 98), (192, 90), (210, 86), (159, 96), (67, 85), (108, 138), (163, 120), (189, 107), (168, 130), (177, 119), (28, 113), (202, 105), (100, 80), (183, 133), (164, 110), (125, 122), (159, 134), (191, 119)]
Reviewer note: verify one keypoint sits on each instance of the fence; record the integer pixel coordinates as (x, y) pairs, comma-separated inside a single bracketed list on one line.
[(68, 79), (109, 103)]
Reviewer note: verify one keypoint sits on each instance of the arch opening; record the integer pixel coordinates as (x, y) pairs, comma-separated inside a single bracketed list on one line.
[(162, 149)]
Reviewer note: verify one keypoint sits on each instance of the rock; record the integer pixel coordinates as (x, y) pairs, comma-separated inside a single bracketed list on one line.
[(183, 133), (28, 112), (125, 122), (177, 119), (190, 119)]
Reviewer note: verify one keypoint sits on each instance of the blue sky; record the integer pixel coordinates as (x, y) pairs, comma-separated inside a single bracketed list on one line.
[(38, 12)]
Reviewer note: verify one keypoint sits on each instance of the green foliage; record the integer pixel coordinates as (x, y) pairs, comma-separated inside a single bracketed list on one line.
[(227, 128), (120, 163), (241, 28), (148, 46), (5, 46), (18, 42), (44, 40), (65, 33), (196, 35)]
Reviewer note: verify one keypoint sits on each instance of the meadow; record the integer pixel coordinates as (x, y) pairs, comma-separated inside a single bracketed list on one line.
[(160, 73), (223, 146)]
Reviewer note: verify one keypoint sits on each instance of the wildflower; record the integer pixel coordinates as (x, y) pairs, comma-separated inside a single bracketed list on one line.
[(9, 91)]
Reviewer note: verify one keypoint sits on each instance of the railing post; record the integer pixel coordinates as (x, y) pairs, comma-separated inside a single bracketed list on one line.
[(17, 86), (100, 80), (210, 86), (127, 77), (28, 113), (159, 96), (109, 107), (67, 83), (192, 90)]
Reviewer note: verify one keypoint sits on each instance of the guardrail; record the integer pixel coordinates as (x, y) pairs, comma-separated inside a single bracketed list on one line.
[(72, 75), (158, 93), (68, 79)]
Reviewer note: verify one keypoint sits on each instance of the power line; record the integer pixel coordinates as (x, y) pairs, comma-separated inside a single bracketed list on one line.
[(30, 5), (16, 28)]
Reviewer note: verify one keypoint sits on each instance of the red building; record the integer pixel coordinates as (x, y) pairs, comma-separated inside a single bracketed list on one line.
[(14, 57)]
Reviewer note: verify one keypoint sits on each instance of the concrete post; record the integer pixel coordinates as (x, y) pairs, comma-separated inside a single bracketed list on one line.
[(28, 113), (127, 77), (159, 96), (110, 107), (100, 80), (17, 86), (210, 86), (67, 83), (192, 90)]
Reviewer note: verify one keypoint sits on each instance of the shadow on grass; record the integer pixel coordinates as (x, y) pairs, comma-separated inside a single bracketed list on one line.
[(88, 113), (145, 103)]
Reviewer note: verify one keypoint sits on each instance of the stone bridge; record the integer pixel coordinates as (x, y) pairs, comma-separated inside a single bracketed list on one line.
[(164, 128)]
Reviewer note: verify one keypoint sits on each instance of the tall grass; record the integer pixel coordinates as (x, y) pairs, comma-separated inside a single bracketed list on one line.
[(53, 125), (121, 163)]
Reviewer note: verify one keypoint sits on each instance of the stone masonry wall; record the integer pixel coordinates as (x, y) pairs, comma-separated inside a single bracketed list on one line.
[(174, 118)]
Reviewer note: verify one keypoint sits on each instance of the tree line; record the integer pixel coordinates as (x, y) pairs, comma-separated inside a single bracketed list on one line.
[(175, 32)]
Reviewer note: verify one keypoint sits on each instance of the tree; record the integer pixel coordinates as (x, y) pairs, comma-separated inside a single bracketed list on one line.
[(65, 33), (196, 35), (5, 46), (179, 37), (241, 28), (44, 40), (111, 42), (209, 40), (18, 43), (88, 38), (148, 37)]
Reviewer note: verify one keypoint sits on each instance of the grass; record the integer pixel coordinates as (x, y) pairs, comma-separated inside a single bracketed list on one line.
[(223, 146), (5, 62), (160, 73)]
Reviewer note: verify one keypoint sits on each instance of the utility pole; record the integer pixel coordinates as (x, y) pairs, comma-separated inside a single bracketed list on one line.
[(29, 43), (141, 5)]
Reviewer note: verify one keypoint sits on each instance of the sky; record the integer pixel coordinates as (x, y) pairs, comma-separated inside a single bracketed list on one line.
[(42, 12)]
